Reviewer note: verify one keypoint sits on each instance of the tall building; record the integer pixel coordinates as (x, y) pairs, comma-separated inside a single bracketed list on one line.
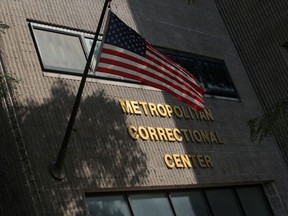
[(134, 149), (260, 36)]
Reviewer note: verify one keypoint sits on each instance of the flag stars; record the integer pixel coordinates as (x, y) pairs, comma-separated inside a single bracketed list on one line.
[(132, 44), (119, 34)]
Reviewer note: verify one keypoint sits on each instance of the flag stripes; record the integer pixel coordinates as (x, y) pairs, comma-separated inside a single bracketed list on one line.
[(118, 61), (125, 53)]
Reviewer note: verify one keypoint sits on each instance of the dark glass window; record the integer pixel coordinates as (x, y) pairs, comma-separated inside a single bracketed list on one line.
[(223, 202), (253, 201), (211, 72), (189, 64), (150, 204), (216, 79), (189, 203), (114, 205), (198, 202), (65, 51)]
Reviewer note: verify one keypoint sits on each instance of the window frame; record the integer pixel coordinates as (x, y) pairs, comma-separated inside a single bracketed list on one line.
[(58, 30), (197, 59), (82, 35), (167, 193), (85, 35)]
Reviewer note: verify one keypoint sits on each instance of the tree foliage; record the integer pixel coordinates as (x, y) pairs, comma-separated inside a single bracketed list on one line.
[(9, 79), (3, 27), (268, 123)]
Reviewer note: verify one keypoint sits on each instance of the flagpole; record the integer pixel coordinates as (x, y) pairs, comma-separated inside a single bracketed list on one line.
[(57, 167)]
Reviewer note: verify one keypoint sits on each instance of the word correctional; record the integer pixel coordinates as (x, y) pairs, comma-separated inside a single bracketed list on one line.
[(187, 161), (173, 134), (164, 110)]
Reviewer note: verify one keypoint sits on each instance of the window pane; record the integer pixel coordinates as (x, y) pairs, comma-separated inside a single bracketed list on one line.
[(189, 203), (150, 205), (253, 201), (107, 206), (190, 66), (60, 52), (186, 62), (217, 80), (212, 73), (223, 202), (88, 43)]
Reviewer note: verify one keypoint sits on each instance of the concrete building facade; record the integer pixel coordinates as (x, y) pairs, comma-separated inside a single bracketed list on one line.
[(131, 145), (259, 34)]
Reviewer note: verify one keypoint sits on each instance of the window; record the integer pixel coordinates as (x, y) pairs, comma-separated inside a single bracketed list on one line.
[(240, 200), (150, 204), (65, 51), (252, 201), (211, 72), (108, 205), (60, 51), (223, 202), (189, 203)]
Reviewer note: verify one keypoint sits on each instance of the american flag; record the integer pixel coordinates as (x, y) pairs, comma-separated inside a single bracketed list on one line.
[(126, 53)]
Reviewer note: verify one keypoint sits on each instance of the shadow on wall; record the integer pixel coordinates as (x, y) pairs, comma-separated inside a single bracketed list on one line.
[(100, 153), (12, 188)]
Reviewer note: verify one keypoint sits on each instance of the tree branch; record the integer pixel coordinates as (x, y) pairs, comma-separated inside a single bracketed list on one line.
[(268, 124)]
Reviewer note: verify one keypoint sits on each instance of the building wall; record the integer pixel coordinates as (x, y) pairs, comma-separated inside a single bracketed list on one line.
[(259, 34), (101, 155), (13, 183)]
